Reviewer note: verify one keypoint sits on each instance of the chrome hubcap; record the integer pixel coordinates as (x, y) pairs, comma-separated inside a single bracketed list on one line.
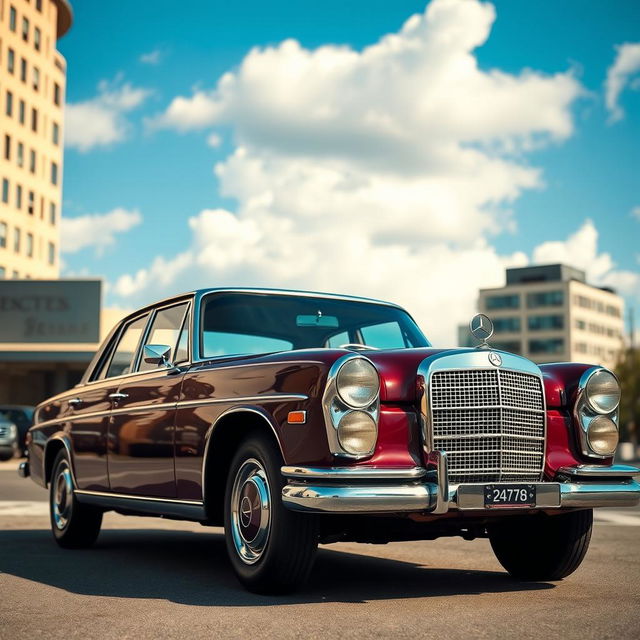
[(250, 511), (62, 498)]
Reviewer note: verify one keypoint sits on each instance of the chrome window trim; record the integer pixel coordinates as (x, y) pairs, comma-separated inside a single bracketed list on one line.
[(476, 360), (582, 408)]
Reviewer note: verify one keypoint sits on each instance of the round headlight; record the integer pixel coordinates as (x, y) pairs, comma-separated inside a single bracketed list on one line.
[(357, 433), (358, 383), (602, 435), (603, 391)]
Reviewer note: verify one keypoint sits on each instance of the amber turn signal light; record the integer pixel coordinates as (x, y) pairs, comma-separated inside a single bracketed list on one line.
[(297, 417)]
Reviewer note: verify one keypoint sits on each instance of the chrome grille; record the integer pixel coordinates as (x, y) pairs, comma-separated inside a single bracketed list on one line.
[(490, 422), (4, 431)]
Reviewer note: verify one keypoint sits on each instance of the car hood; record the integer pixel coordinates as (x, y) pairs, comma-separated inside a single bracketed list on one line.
[(398, 370)]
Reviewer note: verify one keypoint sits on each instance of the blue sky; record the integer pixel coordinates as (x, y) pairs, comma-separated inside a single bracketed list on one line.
[(131, 153)]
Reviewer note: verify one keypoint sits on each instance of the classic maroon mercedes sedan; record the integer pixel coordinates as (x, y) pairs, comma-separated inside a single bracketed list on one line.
[(295, 418)]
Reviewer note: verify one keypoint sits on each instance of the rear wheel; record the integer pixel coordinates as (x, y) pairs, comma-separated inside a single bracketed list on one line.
[(542, 547), (74, 525), (271, 548)]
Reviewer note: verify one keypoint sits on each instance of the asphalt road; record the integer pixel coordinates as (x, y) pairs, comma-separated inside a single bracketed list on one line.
[(150, 578)]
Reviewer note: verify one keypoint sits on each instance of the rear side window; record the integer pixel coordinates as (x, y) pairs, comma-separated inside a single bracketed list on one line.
[(123, 358), (165, 329)]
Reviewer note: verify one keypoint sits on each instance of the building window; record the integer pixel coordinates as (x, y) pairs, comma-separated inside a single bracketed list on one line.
[(503, 302), (31, 205), (52, 213), (52, 253), (22, 109), (56, 93), (12, 18), (36, 38), (581, 347), (32, 161), (23, 70), (506, 325), (3, 235), (3, 272), (25, 29), (512, 346), (17, 237), (11, 60), (20, 154), (56, 134), (9, 104), (34, 119), (613, 311), (18, 196), (39, 5), (545, 299), (30, 245), (36, 78), (581, 324), (15, 275), (5, 191), (545, 323), (550, 345), (54, 173), (7, 147)]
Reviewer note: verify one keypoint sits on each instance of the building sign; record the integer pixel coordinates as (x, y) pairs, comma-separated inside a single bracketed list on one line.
[(63, 311)]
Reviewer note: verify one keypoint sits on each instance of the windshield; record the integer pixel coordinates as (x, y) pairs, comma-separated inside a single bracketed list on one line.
[(248, 323)]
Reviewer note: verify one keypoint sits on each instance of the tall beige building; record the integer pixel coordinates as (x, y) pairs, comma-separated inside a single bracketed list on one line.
[(32, 86), (549, 313)]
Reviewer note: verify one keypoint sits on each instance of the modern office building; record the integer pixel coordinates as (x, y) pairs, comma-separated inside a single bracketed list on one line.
[(549, 313), (32, 88)]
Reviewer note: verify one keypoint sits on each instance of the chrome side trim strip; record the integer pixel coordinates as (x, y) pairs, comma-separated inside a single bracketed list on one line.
[(594, 471), (168, 406), (293, 397), (127, 496), (354, 473)]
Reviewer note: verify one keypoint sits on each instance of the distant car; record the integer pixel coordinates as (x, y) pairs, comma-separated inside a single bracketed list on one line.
[(294, 418), (22, 417), (9, 444)]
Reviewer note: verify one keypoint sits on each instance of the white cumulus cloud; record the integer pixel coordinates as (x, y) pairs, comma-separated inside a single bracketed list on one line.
[(619, 75), (380, 172), (96, 230), (101, 121)]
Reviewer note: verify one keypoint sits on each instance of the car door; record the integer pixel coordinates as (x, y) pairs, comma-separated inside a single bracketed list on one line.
[(141, 430), (88, 410)]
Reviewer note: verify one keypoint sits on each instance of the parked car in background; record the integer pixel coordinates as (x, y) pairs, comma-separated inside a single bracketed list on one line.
[(22, 417), (9, 444), (294, 418)]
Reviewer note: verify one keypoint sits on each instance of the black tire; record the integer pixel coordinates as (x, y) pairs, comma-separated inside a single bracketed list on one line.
[(542, 547), (271, 550), (74, 525)]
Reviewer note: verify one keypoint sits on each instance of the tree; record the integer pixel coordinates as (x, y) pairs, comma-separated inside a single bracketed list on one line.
[(628, 372)]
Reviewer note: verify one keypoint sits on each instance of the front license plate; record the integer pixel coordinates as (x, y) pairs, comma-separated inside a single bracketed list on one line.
[(509, 495)]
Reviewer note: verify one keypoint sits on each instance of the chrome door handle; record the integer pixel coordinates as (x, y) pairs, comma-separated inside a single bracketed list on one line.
[(75, 402), (118, 396)]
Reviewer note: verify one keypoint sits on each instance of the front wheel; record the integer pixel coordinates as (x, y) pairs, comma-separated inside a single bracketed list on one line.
[(271, 548), (542, 547), (74, 525)]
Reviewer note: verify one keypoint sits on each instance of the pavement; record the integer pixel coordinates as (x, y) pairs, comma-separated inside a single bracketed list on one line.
[(154, 578)]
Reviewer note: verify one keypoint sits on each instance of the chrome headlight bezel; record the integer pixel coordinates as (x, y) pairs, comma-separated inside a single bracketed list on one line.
[(586, 411), (336, 406)]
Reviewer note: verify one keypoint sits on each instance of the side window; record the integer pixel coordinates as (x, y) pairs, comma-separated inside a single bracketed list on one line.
[(165, 329), (182, 350), (124, 354), (334, 342)]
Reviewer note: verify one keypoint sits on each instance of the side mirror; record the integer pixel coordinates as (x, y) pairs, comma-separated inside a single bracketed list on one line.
[(157, 354)]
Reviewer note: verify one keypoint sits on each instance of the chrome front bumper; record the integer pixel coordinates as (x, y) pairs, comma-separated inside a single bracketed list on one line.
[(413, 489)]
